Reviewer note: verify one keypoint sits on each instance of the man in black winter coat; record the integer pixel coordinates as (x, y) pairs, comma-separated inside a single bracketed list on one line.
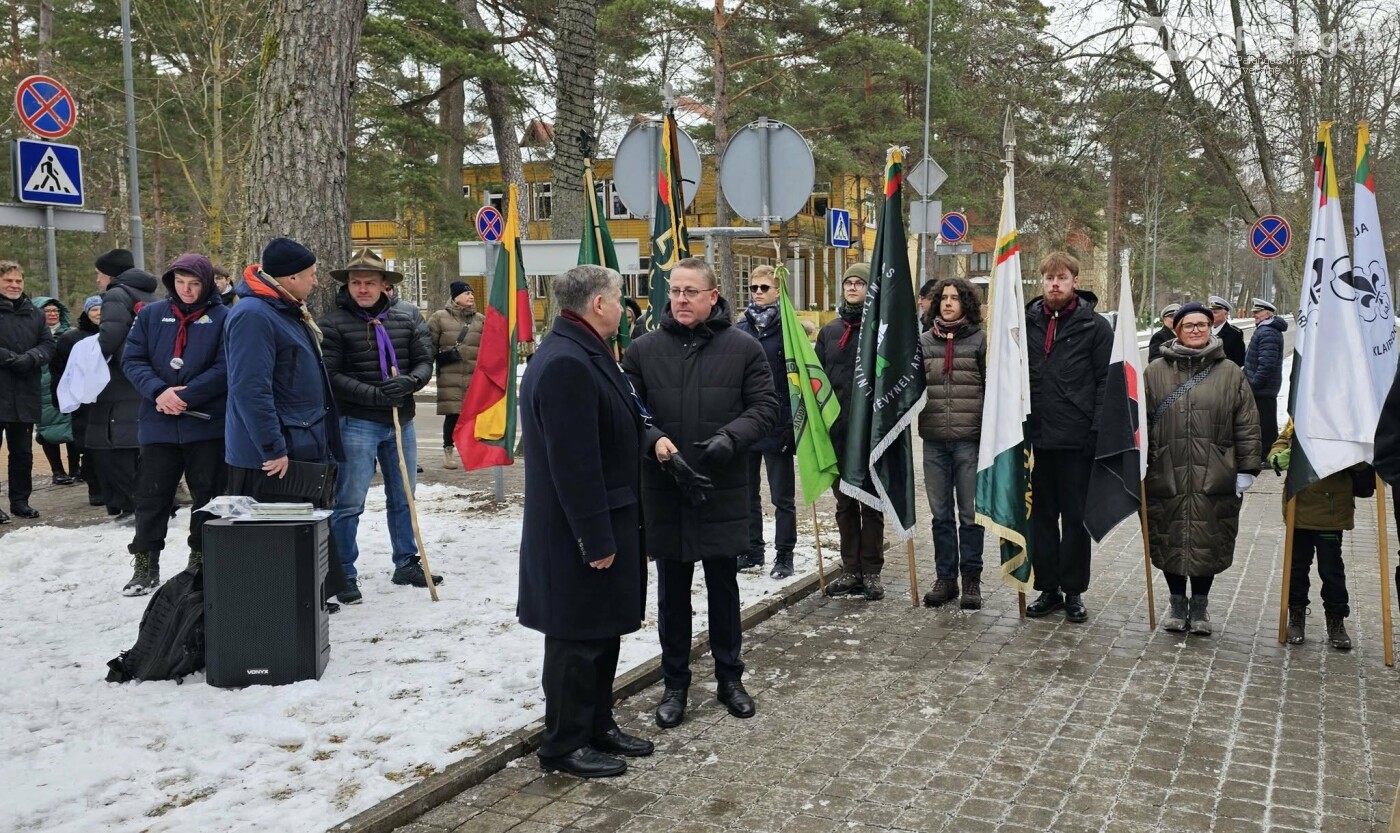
[(1067, 346), (1164, 335), (377, 354), (763, 320), (112, 433), (709, 392), (1229, 334), (1263, 367), (26, 345)]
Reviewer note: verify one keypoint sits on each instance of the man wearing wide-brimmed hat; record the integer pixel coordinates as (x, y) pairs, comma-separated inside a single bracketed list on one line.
[(378, 354)]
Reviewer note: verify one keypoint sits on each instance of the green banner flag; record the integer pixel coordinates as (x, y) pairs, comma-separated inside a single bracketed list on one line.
[(878, 467), (814, 405), (595, 244), (669, 242)]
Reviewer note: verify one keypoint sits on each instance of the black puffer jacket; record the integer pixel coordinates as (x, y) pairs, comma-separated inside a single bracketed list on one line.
[(780, 438), (696, 383), (26, 346), (351, 354), (839, 362), (1067, 386), (113, 420), (953, 410)]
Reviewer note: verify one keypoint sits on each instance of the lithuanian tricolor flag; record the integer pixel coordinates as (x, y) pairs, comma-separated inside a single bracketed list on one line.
[(485, 433)]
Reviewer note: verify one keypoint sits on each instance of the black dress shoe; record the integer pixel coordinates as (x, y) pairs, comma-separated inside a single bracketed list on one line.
[(1045, 604), (735, 698), (617, 742), (4, 519), (671, 710), (23, 510), (1074, 608), (585, 762)]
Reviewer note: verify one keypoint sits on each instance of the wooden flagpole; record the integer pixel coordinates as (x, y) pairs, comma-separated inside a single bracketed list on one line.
[(817, 534), (1147, 558), (913, 575), (1289, 512), (1021, 602), (1383, 545), (412, 506)]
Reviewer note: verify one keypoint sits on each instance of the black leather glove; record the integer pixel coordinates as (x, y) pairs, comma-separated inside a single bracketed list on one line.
[(694, 486), (398, 387), (7, 355), (716, 451)]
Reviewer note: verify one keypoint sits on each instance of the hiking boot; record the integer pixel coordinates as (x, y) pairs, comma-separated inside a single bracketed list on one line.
[(1200, 619), (874, 589), (848, 584), (449, 458), (21, 509), (413, 574), (748, 561), (1175, 620), (145, 576), (1045, 604), (782, 566), (972, 590), (944, 590), (1337, 632), (351, 595), (1296, 629), (196, 561)]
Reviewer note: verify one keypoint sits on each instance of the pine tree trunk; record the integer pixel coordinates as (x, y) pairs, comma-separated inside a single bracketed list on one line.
[(500, 111), (451, 112), (576, 30), (724, 263), (297, 171)]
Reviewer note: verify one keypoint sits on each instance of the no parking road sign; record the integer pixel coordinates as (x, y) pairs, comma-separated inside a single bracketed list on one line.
[(1269, 236), (490, 225), (45, 107), (47, 173), (953, 227)]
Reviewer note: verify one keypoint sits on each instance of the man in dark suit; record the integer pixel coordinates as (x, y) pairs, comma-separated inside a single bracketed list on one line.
[(582, 574), (1230, 335), (1164, 335)]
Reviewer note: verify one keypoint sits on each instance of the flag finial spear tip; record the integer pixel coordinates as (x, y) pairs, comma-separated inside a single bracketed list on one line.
[(668, 96), (1008, 130)]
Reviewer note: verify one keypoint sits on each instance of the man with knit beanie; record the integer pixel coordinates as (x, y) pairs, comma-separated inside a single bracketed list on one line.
[(862, 528), (378, 353), (280, 406), (175, 358)]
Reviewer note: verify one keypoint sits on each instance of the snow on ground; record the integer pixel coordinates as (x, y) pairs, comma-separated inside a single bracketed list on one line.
[(411, 686)]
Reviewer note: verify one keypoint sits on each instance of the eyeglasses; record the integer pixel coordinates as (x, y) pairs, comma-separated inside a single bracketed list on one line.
[(853, 282), (759, 287), (690, 293), (1195, 328)]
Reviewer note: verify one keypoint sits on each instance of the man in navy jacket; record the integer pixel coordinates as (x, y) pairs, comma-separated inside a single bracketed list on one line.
[(175, 358)]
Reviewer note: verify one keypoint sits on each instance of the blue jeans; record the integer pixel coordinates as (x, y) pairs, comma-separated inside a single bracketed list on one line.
[(950, 469), (366, 441)]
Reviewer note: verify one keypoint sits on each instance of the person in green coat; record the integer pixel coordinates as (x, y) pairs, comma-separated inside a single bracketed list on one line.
[(55, 429)]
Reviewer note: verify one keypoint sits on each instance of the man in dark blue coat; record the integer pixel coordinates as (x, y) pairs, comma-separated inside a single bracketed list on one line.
[(175, 358), (280, 406), (582, 574), (763, 320), (1263, 367)]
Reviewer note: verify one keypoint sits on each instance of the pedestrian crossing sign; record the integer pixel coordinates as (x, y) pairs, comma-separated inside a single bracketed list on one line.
[(47, 173), (838, 227)]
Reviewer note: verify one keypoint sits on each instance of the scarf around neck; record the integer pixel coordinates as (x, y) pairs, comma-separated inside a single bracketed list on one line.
[(265, 286), (761, 316), (184, 315), (388, 357), (850, 316), (947, 330), (1055, 315)]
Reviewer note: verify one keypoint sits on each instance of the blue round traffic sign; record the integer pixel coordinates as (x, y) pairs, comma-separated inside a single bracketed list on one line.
[(953, 227), (45, 107), (1269, 236), (490, 225)]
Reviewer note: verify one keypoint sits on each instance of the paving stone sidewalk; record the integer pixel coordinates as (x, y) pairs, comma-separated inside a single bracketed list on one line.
[(881, 716)]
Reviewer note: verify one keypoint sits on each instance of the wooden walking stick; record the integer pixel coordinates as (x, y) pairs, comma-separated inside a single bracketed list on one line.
[(817, 534), (1147, 558), (913, 575), (1384, 546), (412, 506), (1289, 512)]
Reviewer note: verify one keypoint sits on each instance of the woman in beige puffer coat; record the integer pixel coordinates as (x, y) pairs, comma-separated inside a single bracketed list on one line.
[(456, 332)]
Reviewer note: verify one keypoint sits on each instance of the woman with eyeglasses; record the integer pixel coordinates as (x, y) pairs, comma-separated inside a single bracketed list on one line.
[(1203, 454)]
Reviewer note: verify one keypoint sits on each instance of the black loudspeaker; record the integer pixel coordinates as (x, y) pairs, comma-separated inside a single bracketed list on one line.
[(264, 620)]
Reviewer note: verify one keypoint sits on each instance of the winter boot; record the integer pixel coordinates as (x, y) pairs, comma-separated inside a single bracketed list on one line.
[(849, 584), (749, 560), (971, 590), (4, 519), (449, 458), (196, 561), (412, 574), (1337, 632), (1200, 619), (351, 595), (782, 566), (1296, 617), (1175, 620), (874, 589), (145, 576), (944, 590)]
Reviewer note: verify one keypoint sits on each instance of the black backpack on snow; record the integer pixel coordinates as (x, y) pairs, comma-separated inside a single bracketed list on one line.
[(170, 643)]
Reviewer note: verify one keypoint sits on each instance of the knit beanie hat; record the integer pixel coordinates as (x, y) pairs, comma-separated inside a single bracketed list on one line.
[(1187, 309), (457, 288), (115, 262), (858, 270), (283, 257), (91, 302)]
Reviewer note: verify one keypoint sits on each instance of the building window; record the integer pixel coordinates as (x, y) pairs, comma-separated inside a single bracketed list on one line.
[(617, 209), (981, 261), (820, 205), (466, 192), (544, 200)]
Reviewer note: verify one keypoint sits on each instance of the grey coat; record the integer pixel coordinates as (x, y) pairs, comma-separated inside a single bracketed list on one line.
[(953, 410), (1195, 450)]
